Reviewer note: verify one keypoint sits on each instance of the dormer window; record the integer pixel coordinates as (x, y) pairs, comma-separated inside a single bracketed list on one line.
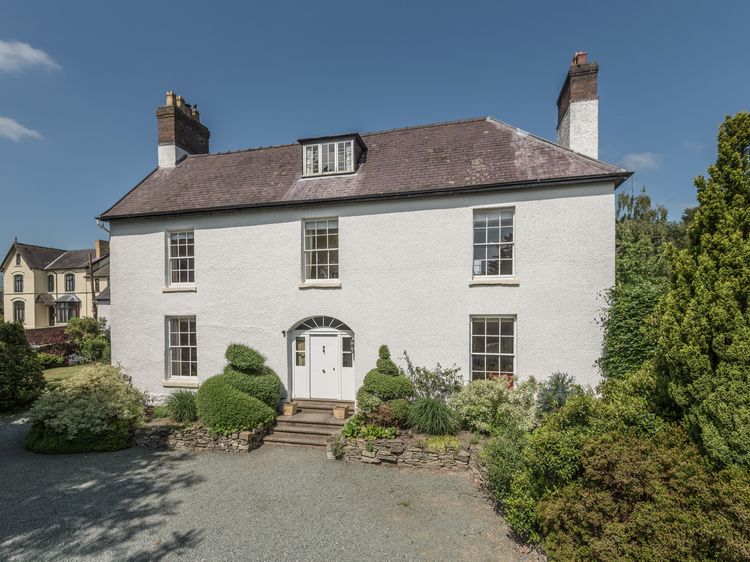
[(323, 156), (329, 158)]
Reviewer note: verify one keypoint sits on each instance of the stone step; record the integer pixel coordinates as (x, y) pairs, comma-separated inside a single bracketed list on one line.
[(296, 439), (312, 417), (312, 404), (307, 428)]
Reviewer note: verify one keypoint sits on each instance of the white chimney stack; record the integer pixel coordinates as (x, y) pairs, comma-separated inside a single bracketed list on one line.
[(578, 108)]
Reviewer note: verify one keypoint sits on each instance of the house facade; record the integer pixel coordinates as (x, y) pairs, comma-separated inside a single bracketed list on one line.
[(470, 243), (46, 287)]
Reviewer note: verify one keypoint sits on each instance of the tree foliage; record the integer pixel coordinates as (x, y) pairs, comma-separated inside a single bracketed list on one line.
[(703, 332), (21, 379)]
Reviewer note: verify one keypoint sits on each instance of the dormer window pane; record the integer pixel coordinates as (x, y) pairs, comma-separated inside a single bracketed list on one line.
[(329, 158)]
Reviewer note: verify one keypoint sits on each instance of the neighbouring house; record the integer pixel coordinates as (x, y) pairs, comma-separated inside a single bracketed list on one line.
[(469, 242), (46, 287)]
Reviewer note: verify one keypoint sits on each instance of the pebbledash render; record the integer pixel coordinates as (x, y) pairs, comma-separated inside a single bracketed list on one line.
[(470, 242)]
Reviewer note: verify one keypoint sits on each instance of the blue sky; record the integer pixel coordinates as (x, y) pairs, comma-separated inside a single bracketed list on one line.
[(77, 101)]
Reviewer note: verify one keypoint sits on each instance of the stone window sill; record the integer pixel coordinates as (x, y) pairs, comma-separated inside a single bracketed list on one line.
[(320, 285), (176, 383), (186, 289), (509, 281)]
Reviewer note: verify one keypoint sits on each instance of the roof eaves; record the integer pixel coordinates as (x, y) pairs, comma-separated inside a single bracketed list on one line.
[(616, 177)]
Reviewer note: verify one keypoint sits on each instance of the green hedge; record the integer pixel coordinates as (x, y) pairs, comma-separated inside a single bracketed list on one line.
[(225, 409), (21, 379), (50, 360), (266, 387), (387, 387)]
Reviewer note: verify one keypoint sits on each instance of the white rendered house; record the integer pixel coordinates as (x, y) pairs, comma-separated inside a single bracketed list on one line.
[(469, 242)]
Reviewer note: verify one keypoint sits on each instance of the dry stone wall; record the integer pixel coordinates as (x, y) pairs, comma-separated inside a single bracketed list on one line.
[(198, 439)]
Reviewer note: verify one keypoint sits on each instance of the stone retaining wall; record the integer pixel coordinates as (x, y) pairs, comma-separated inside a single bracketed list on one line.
[(198, 439), (398, 452)]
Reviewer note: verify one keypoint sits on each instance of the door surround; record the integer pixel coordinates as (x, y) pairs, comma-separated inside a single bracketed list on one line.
[(303, 378)]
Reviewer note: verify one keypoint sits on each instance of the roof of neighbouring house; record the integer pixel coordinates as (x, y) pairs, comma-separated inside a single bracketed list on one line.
[(103, 296), (425, 160), (42, 257)]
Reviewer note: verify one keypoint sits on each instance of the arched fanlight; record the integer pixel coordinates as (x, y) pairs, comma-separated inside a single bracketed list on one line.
[(321, 322)]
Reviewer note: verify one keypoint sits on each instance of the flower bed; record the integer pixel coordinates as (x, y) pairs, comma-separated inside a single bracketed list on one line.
[(197, 438)]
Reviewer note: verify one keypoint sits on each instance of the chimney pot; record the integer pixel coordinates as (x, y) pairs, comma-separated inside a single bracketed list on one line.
[(579, 57)]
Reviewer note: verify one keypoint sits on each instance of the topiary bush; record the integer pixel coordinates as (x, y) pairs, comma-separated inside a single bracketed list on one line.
[(245, 359), (431, 416), (182, 407), (266, 387), (400, 407), (366, 402), (226, 409), (387, 387), (95, 410), (384, 364), (21, 378)]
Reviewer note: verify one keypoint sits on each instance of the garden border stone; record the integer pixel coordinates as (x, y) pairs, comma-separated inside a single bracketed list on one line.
[(198, 439)]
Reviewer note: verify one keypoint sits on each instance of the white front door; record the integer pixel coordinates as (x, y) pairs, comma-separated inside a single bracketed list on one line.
[(325, 375)]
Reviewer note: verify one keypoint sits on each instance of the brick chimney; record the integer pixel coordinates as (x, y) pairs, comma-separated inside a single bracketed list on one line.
[(578, 108), (101, 248), (180, 131)]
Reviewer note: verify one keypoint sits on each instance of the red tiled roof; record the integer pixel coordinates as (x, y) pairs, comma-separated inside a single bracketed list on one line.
[(423, 160)]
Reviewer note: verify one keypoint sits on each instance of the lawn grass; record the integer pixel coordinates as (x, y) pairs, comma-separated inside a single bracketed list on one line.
[(55, 376)]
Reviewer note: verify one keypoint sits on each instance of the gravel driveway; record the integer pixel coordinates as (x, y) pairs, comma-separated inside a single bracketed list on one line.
[(275, 503)]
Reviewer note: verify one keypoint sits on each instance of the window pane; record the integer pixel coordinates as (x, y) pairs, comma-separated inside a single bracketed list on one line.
[(507, 234), (506, 267), (493, 268), (299, 344), (477, 362), (477, 344), (493, 344), (507, 327), (480, 236), (477, 327), (493, 235), (506, 364), (346, 344), (506, 344)]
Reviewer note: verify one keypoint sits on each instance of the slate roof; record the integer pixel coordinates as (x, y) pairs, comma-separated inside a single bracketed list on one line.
[(72, 259), (103, 296), (37, 257), (418, 161)]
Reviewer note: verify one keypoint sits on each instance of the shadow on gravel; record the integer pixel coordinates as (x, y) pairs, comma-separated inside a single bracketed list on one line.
[(58, 507)]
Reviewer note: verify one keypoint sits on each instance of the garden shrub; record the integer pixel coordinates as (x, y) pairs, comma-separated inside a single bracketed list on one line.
[(503, 459), (383, 416), (437, 383), (366, 402), (400, 407), (90, 338), (358, 428), (554, 392), (95, 410), (266, 387), (161, 411), (431, 416), (50, 360), (387, 387), (245, 359), (648, 499), (226, 409), (182, 407), (489, 406), (21, 378)]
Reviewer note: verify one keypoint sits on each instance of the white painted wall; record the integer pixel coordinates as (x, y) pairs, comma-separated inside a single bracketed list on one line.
[(405, 271), (169, 154), (579, 128)]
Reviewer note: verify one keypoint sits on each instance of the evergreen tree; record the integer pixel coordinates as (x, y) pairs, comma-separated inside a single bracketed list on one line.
[(703, 329)]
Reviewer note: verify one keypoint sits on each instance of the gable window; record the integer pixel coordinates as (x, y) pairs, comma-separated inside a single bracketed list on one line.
[(70, 282), (182, 342), (50, 283), (329, 158), (18, 283), (493, 242), (493, 347), (181, 258), (19, 312), (66, 310), (321, 249), (18, 259)]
